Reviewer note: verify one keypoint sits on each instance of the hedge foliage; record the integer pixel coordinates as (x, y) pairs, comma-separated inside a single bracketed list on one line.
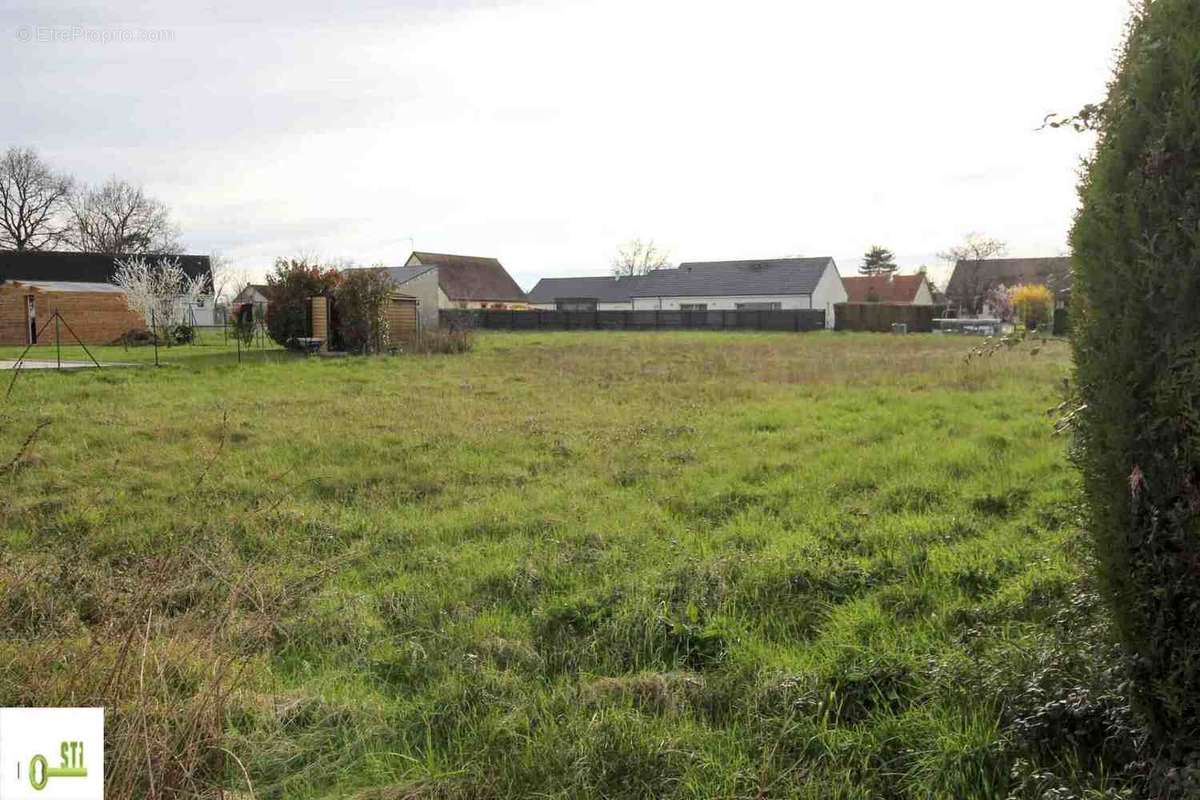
[(290, 287), (361, 300), (1136, 316)]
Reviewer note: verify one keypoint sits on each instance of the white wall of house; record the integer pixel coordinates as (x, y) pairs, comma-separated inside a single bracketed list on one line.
[(622, 306), (202, 312), (830, 291), (425, 288), (721, 303), (924, 297), (495, 305)]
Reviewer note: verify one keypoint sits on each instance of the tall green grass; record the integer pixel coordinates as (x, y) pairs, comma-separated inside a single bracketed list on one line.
[(572, 564)]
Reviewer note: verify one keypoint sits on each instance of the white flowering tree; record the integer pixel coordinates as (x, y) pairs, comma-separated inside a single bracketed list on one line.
[(155, 290)]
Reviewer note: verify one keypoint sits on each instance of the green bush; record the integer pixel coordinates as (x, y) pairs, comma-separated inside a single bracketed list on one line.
[(243, 326), (289, 291), (1136, 246), (183, 334), (362, 297)]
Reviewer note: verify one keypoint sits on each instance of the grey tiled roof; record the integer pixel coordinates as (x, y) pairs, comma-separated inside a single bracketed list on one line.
[(402, 275), (779, 276), (606, 289), (979, 276)]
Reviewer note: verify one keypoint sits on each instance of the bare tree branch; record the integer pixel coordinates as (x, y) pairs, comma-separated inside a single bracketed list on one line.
[(967, 291), (33, 202), (636, 257), (120, 218)]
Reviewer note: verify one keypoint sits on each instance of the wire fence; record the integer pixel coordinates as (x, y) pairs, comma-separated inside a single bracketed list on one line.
[(60, 344)]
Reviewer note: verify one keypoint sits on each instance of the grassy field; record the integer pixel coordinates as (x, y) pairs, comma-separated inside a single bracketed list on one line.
[(211, 348), (562, 565)]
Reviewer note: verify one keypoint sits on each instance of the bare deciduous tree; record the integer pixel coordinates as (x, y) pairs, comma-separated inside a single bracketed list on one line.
[(228, 280), (967, 290), (119, 218), (636, 257), (33, 201)]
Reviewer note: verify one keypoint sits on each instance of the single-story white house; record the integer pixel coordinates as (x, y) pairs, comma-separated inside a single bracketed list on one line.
[(763, 285)]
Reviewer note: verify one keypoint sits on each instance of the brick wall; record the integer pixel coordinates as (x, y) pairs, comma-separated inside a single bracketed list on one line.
[(96, 317)]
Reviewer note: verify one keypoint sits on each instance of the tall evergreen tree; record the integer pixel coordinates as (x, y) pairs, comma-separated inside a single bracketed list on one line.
[(1137, 355), (878, 261)]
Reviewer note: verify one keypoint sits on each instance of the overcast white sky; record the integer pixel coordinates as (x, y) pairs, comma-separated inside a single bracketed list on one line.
[(546, 133)]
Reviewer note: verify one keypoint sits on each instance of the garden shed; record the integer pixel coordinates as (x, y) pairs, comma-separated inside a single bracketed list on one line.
[(95, 312), (401, 313), (403, 321)]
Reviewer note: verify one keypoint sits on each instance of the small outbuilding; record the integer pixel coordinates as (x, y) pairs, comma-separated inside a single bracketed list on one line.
[(96, 313), (403, 319), (400, 312), (34, 285), (256, 295)]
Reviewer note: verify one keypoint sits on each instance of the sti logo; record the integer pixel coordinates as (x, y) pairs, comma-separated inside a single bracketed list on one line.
[(72, 766), (51, 753)]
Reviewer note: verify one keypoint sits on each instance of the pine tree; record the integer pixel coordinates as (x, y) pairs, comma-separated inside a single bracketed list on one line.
[(878, 261)]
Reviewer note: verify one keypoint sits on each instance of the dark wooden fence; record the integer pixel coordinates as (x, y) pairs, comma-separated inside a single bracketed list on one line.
[(881, 317), (799, 320)]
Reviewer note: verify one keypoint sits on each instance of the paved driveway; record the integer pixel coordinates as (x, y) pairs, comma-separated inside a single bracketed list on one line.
[(43, 364)]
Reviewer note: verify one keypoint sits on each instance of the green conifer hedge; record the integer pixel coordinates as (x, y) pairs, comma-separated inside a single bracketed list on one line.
[(1136, 325)]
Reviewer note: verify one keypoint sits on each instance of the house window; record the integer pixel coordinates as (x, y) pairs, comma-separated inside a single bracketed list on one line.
[(693, 306), (759, 306)]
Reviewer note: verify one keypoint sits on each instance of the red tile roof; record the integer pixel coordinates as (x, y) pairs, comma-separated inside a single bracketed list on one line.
[(883, 288)]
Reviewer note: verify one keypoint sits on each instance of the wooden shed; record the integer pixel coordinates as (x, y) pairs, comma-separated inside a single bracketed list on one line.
[(403, 324), (95, 312)]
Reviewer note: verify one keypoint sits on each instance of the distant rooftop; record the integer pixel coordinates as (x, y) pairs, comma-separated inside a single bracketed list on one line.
[(976, 277), (883, 288), (778, 276), (57, 265), (469, 277), (605, 289)]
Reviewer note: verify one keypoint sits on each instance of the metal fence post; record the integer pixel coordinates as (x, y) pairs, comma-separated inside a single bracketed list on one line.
[(154, 334), (57, 338)]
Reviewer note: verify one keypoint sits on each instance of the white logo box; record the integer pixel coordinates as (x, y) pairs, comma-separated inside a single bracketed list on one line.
[(51, 753)]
